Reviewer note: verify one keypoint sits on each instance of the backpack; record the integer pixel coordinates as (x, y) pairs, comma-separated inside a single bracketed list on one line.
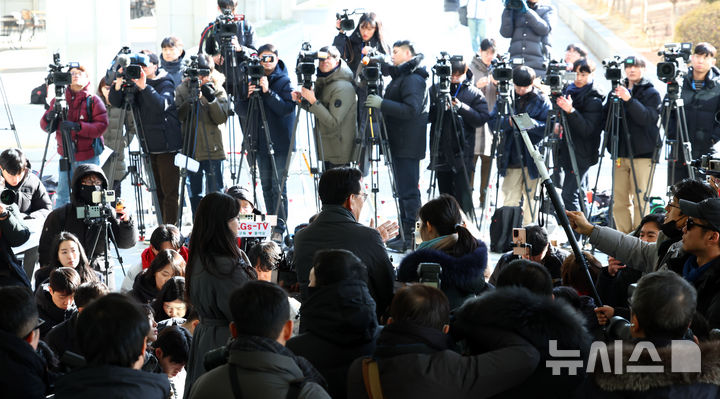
[(38, 95), (97, 143), (503, 221)]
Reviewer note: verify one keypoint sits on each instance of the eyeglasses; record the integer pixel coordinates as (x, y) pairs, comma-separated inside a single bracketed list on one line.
[(75, 74), (692, 223), (363, 195), (40, 322), (671, 205)]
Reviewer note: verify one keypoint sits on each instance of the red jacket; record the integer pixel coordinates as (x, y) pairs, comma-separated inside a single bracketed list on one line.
[(148, 255), (77, 112)]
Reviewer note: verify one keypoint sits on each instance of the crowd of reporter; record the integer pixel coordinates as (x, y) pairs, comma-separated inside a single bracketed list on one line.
[(211, 319)]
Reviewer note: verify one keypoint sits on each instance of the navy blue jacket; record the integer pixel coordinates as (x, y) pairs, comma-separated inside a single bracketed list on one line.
[(157, 112), (472, 112), (405, 110), (279, 110), (537, 105), (642, 113), (585, 125), (702, 112)]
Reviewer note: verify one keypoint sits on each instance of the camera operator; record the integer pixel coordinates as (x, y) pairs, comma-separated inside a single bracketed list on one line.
[(405, 110), (368, 35), (243, 41), (483, 80), (208, 147), (701, 97), (472, 112), (13, 233), (155, 100), (528, 24), (277, 100), (86, 180), (582, 103), (86, 121), (641, 102), (29, 195), (334, 104), (573, 52), (511, 166)]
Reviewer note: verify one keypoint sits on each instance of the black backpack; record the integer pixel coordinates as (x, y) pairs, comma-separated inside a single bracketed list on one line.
[(503, 221)]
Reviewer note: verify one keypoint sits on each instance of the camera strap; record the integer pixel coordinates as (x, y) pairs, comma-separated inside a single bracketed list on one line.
[(371, 377)]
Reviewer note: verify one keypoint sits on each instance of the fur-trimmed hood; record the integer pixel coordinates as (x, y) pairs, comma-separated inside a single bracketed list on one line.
[(459, 271), (687, 383), (538, 320)]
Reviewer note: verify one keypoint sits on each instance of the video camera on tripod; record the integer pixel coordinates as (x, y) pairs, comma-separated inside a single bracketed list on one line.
[(557, 77), (225, 25), (707, 165), (131, 64), (371, 75), (100, 210), (193, 70), (59, 74), (675, 60), (613, 72), (254, 69), (502, 71), (305, 67), (443, 70)]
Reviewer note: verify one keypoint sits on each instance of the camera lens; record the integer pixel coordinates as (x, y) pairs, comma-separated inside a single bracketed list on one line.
[(8, 196)]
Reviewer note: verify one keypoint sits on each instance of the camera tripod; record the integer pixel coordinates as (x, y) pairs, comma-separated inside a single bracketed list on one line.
[(615, 124), (8, 113), (139, 159), (316, 166), (104, 228), (190, 134), (673, 107), (67, 159), (379, 144), (230, 70), (560, 116), (250, 146), (456, 141)]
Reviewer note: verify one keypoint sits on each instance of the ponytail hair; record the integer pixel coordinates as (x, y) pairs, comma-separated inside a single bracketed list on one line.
[(444, 214)]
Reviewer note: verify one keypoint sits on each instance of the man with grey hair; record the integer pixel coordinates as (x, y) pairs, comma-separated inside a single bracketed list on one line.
[(663, 306), (334, 104)]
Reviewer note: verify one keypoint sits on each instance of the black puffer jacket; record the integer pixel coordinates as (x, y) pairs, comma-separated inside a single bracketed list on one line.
[(112, 382), (337, 325), (142, 291), (61, 338), (642, 113), (351, 46), (461, 278), (157, 112), (33, 200), (530, 34), (472, 113), (174, 69), (539, 320), (13, 233), (23, 374), (405, 109), (586, 124), (702, 112), (47, 310), (65, 219)]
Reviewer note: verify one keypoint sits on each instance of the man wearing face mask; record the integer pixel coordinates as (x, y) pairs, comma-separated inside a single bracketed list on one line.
[(87, 179), (470, 112), (647, 257)]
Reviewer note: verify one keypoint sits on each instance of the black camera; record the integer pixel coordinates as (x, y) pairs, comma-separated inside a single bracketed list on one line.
[(502, 67), (8, 196), (305, 67), (618, 329), (129, 62), (193, 70), (254, 69), (557, 77), (675, 59), (371, 74), (59, 74), (443, 70), (225, 26), (613, 72), (429, 274), (514, 4), (100, 209), (707, 164), (347, 24)]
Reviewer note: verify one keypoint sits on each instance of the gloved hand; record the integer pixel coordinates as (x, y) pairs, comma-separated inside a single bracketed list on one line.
[(68, 125), (51, 115), (373, 101), (208, 91)]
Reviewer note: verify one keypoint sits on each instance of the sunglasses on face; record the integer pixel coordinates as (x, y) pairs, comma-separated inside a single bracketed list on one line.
[(692, 223)]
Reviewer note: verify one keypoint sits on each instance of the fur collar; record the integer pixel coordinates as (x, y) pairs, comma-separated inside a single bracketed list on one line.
[(710, 370)]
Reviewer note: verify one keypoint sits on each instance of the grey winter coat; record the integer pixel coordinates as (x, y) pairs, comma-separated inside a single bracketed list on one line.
[(336, 113), (208, 142), (640, 255), (260, 375), (114, 140), (530, 34), (483, 141), (210, 294)]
